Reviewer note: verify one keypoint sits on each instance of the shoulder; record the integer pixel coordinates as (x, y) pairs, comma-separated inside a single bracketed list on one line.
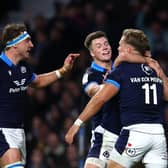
[(3, 66), (1, 62), (25, 65), (125, 66)]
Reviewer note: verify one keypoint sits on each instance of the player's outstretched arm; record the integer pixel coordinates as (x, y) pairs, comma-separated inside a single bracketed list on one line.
[(94, 105), (45, 79)]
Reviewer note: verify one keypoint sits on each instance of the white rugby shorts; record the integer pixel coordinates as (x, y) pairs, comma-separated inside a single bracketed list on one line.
[(146, 142), (13, 138), (102, 144)]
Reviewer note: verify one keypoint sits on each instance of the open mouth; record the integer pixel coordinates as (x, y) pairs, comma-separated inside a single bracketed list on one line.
[(106, 53)]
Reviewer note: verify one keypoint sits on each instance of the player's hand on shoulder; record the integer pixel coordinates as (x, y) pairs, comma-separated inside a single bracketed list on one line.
[(154, 64), (122, 57)]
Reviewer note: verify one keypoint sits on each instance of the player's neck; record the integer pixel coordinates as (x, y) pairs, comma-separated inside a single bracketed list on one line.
[(106, 65), (12, 57), (134, 52)]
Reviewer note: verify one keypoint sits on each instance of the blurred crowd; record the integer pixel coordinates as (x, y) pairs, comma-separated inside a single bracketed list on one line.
[(51, 111)]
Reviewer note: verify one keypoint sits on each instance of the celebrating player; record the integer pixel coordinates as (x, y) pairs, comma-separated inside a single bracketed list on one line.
[(16, 76)]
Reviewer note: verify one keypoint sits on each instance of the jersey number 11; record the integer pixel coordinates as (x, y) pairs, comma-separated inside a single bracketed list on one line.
[(150, 88)]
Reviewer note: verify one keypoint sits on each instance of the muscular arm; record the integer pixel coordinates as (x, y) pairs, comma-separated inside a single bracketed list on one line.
[(97, 101), (94, 105), (45, 79), (134, 57), (129, 58)]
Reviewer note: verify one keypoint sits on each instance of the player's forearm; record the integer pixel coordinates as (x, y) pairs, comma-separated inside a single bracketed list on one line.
[(46, 79), (91, 109), (97, 101), (104, 94), (136, 59), (130, 59)]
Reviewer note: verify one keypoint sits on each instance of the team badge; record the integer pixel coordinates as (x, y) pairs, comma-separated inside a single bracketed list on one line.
[(131, 152), (23, 69), (106, 154), (146, 69)]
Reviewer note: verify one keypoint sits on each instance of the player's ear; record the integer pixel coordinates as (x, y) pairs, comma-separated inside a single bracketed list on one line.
[(128, 49), (91, 53)]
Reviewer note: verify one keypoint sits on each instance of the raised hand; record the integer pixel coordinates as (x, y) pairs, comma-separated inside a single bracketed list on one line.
[(69, 61)]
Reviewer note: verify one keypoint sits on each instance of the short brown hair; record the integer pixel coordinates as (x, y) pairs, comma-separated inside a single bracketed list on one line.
[(11, 31), (137, 39), (90, 37)]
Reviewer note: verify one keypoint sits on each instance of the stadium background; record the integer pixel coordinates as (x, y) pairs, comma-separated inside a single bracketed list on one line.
[(58, 28)]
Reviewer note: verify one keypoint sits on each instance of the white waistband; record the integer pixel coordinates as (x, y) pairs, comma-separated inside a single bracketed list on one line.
[(99, 129), (104, 131), (110, 134), (147, 128)]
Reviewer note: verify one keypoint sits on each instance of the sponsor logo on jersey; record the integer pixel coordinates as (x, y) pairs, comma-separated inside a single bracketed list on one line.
[(16, 90), (19, 83)]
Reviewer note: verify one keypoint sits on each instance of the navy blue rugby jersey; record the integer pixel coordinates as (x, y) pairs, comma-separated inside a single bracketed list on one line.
[(108, 116), (141, 93), (13, 84)]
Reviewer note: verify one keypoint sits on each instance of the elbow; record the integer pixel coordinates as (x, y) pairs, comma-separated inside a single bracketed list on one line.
[(37, 83)]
